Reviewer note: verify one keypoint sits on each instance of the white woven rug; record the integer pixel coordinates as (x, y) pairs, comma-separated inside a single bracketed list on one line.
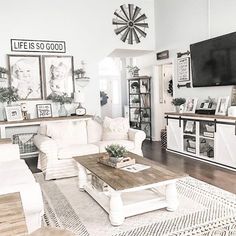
[(204, 210)]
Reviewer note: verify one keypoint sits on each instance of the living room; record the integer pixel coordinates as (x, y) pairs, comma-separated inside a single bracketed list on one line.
[(107, 123)]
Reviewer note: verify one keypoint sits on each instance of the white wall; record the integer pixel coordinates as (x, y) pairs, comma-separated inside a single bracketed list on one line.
[(179, 23), (183, 22), (86, 26)]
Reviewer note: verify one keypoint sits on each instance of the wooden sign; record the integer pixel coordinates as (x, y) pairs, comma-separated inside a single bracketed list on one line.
[(25, 45), (233, 96), (183, 69), (163, 55)]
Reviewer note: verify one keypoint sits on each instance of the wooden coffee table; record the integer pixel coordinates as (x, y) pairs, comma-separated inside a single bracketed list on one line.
[(129, 193)]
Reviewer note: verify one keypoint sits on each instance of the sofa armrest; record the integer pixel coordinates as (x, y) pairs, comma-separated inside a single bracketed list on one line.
[(46, 145), (9, 152), (138, 136)]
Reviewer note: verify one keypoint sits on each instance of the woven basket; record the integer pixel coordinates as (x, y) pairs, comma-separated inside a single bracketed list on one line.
[(25, 142), (163, 138)]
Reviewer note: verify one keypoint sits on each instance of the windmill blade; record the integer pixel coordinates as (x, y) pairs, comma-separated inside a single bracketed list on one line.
[(118, 22), (144, 25), (131, 11), (125, 35), (136, 12), (121, 29), (142, 17), (136, 36), (140, 31), (122, 18), (130, 39), (124, 11)]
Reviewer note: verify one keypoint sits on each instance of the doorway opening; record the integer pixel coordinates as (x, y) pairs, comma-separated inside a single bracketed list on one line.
[(163, 83), (110, 87)]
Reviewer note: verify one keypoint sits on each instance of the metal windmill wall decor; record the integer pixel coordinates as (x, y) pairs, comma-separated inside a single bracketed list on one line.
[(130, 23)]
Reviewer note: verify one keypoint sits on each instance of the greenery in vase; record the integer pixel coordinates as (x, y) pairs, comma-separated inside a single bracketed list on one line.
[(79, 73), (178, 101), (132, 69), (9, 95), (62, 99), (3, 70), (116, 150)]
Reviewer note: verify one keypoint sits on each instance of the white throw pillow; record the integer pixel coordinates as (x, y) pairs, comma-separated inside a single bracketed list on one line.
[(115, 129), (94, 130), (67, 133)]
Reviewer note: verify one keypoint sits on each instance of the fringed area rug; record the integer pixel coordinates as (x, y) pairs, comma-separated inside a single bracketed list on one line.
[(203, 210)]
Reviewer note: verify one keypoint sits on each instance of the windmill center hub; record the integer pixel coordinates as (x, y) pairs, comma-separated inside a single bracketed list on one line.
[(131, 24)]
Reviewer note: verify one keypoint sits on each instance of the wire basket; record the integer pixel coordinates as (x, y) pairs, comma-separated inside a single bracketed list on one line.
[(163, 138), (25, 142)]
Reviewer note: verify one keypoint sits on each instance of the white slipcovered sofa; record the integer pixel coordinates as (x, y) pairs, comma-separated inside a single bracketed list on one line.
[(16, 177), (58, 142)]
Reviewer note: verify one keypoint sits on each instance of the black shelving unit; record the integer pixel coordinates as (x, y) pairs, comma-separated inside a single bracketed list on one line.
[(140, 104)]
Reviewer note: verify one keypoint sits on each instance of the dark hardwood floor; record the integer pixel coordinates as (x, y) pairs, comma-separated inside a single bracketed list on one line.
[(220, 177)]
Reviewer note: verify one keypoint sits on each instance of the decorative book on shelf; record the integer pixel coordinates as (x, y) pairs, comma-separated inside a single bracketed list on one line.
[(140, 104)]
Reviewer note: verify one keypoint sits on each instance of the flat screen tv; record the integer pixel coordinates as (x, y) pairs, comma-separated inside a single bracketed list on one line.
[(213, 61)]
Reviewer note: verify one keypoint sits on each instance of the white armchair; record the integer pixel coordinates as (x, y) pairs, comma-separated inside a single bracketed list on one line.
[(18, 178), (58, 142)]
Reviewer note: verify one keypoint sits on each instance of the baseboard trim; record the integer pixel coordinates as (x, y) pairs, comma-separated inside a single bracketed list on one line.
[(203, 160)]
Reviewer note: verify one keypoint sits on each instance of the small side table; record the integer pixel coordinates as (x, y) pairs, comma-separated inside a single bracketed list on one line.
[(5, 140), (48, 231), (12, 218)]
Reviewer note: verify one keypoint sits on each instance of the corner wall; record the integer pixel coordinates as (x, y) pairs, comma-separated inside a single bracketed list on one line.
[(183, 22), (86, 26)]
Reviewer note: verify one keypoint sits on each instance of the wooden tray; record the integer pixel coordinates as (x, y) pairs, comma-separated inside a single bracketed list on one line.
[(125, 162)]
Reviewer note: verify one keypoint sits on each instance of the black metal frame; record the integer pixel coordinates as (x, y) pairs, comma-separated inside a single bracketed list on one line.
[(138, 79)]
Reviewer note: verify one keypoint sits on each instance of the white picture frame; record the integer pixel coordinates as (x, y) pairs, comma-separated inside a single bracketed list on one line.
[(14, 113), (183, 69), (222, 106), (190, 105)]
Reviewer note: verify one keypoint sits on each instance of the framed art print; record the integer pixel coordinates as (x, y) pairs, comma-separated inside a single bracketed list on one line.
[(13, 113), (58, 76), (25, 75), (183, 69), (222, 106), (190, 105), (44, 110)]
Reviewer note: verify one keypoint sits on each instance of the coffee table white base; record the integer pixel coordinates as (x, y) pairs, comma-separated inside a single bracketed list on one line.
[(133, 201)]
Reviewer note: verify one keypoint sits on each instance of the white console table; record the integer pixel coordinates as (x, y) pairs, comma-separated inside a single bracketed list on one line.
[(9, 128), (208, 138)]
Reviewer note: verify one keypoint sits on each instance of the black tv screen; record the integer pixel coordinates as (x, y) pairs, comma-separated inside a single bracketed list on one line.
[(213, 61)]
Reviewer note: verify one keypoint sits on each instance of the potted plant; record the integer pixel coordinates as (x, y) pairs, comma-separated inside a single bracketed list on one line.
[(177, 102), (9, 95), (133, 71), (79, 73), (62, 99), (116, 152), (3, 72)]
